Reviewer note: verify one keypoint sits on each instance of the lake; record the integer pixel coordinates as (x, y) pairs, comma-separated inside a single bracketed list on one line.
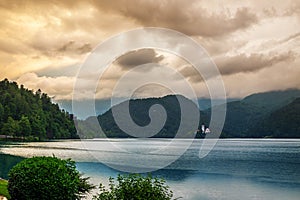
[(235, 169)]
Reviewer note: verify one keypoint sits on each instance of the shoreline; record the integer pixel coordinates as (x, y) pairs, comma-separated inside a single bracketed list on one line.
[(152, 138)]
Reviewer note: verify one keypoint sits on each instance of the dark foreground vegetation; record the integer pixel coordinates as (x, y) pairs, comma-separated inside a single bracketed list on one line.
[(44, 178), (3, 188), (135, 187)]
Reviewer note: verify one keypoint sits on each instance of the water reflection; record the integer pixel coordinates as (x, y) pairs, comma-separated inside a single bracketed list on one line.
[(248, 169), (6, 163), (99, 169)]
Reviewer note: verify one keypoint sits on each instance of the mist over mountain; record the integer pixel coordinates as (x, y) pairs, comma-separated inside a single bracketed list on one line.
[(103, 105), (269, 114)]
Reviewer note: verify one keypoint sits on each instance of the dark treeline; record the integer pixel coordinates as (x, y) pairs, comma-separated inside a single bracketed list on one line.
[(28, 114)]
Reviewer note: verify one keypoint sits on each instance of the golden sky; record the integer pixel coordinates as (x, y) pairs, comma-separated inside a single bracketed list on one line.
[(255, 44)]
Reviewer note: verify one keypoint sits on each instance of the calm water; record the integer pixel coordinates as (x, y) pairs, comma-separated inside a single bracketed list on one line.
[(235, 169)]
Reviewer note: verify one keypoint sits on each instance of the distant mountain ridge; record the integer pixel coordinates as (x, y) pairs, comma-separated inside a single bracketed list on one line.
[(139, 111), (274, 99), (244, 118), (103, 105), (269, 114), (284, 122)]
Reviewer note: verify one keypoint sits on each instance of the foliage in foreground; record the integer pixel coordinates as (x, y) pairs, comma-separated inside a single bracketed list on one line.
[(43, 178), (135, 187), (3, 188)]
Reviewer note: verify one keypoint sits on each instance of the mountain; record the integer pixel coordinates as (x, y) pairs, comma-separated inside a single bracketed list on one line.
[(269, 114), (89, 128), (273, 100), (103, 105), (249, 116), (284, 122), (139, 112), (26, 114), (205, 103), (240, 117)]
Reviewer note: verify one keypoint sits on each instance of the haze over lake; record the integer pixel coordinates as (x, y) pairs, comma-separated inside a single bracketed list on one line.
[(234, 169)]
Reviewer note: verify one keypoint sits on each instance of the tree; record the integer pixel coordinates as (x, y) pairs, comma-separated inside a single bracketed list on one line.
[(25, 127), (46, 120), (11, 127), (135, 187), (1, 114), (37, 126), (43, 178)]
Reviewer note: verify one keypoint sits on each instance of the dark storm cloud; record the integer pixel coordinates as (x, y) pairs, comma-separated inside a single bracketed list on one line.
[(139, 57), (191, 73), (241, 64), (72, 47), (251, 63), (184, 16), (66, 46)]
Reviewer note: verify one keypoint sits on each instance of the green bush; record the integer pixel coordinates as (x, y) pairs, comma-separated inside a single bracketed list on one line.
[(3, 188), (135, 187), (44, 178)]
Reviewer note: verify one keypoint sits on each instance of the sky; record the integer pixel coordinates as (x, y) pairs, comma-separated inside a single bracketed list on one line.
[(254, 44)]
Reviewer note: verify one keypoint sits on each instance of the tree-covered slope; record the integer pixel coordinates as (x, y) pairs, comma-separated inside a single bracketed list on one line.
[(250, 117), (24, 113), (273, 100), (272, 114), (283, 123), (239, 119), (139, 111), (89, 128)]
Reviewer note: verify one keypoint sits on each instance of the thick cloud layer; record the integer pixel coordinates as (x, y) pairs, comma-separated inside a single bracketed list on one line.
[(252, 62), (188, 17), (45, 41)]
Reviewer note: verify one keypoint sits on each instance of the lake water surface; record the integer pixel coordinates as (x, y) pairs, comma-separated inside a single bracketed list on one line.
[(267, 169)]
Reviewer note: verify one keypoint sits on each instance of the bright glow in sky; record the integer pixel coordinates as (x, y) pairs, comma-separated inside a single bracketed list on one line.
[(255, 44)]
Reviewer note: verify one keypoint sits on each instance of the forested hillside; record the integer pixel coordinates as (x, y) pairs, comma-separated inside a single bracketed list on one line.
[(270, 114), (284, 122), (139, 111), (253, 116), (28, 114)]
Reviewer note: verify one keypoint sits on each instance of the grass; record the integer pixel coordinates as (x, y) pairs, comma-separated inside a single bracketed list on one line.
[(3, 188)]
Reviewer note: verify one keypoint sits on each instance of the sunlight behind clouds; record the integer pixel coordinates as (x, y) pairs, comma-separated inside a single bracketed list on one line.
[(47, 41)]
